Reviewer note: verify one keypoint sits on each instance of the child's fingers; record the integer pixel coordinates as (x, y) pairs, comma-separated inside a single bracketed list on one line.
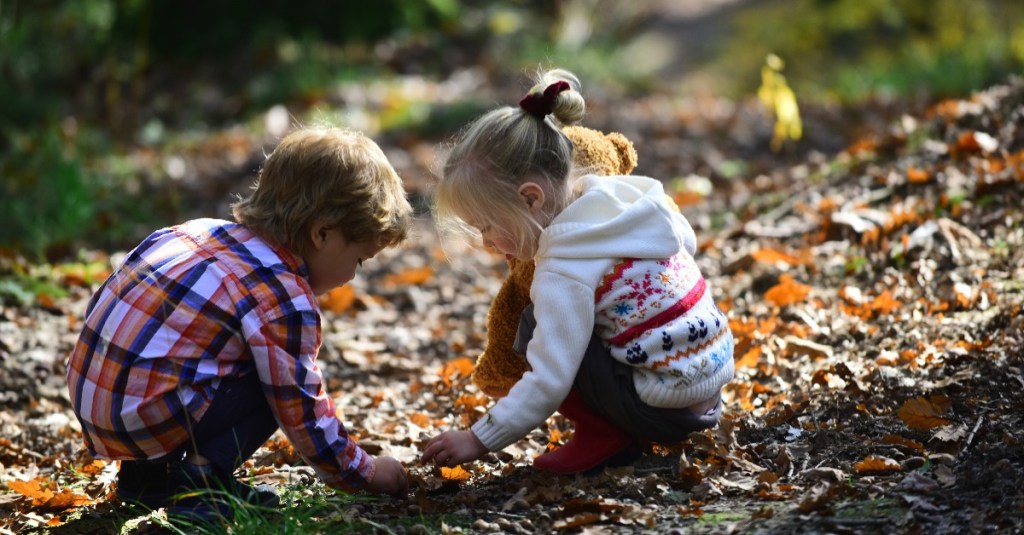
[(432, 449)]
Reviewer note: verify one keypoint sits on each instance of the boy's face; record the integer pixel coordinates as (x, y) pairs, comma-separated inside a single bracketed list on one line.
[(333, 260)]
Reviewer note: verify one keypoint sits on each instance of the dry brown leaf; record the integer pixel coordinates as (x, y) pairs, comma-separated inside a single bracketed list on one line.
[(575, 521), (420, 419), (787, 291), (874, 463), (44, 498), (338, 300), (687, 198), (409, 277), (918, 176), (774, 256), (750, 358), (817, 497), (897, 440), (885, 303), (554, 438), (864, 145), (454, 474), (924, 414), (460, 367)]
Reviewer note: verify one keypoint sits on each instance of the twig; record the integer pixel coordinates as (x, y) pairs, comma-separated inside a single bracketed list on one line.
[(970, 437)]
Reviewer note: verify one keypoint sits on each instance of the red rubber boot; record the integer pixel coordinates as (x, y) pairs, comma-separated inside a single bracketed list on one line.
[(594, 441)]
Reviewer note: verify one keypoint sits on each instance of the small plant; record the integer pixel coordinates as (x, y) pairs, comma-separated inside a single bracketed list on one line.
[(780, 99)]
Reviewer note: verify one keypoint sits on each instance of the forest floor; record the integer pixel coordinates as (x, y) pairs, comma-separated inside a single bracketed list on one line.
[(875, 292)]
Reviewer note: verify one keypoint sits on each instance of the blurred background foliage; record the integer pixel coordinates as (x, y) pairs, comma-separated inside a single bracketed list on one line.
[(102, 102)]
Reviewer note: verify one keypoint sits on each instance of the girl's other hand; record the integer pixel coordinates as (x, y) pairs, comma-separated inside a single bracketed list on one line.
[(453, 448)]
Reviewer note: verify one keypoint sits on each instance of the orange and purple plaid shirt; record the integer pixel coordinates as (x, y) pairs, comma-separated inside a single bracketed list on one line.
[(190, 305)]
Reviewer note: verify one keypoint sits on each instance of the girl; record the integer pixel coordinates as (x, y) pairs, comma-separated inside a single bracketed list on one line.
[(623, 336)]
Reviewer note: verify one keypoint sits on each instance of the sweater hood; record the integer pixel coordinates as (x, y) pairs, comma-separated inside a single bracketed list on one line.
[(618, 217)]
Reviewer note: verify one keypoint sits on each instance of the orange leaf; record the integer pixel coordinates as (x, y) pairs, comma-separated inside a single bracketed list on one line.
[(66, 499), (862, 146), (420, 419), (885, 303), (687, 198), (873, 463), (412, 276), (554, 438), (787, 291), (460, 367), (32, 489), (93, 468), (917, 176), (750, 358), (772, 256), (44, 498), (454, 474), (923, 414), (339, 299), (905, 442)]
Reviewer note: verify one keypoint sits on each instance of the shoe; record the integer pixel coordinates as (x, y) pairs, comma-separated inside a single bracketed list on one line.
[(188, 490), (143, 483), (203, 494), (595, 441)]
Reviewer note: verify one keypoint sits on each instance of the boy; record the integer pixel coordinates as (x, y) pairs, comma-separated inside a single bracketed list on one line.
[(204, 340)]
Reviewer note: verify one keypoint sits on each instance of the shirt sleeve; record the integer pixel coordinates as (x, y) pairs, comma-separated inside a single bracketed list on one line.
[(564, 310), (284, 350)]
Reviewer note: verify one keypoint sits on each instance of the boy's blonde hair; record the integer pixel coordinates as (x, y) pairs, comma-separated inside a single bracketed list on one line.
[(500, 151), (322, 174)]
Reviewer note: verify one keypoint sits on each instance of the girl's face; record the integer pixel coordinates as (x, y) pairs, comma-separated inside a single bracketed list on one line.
[(494, 228), (499, 239)]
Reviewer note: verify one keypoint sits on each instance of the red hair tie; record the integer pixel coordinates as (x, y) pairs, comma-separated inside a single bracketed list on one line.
[(539, 104)]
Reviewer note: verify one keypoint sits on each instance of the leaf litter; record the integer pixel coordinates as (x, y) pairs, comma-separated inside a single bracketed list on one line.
[(875, 296)]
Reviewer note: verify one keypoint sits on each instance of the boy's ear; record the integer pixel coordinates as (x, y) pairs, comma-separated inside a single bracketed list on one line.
[(318, 234), (533, 195)]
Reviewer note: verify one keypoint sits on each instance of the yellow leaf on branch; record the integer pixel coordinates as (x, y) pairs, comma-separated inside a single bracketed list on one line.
[(776, 95)]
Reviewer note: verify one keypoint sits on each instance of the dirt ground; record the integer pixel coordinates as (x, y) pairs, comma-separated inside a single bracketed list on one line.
[(875, 293)]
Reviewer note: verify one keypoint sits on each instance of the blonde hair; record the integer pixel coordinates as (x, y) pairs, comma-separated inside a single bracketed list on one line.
[(327, 175), (500, 151)]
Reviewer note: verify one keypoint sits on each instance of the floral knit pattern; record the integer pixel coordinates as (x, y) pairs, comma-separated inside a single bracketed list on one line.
[(658, 316)]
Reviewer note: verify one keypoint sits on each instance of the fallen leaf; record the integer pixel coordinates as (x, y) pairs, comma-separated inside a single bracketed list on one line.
[(454, 474), (874, 463), (338, 300), (918, 176), (460, 368), (924, 414), (409, 277), (44, 498), (787, 291)]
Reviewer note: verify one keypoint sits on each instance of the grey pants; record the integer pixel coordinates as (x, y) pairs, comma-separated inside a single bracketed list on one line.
[(607, 387)]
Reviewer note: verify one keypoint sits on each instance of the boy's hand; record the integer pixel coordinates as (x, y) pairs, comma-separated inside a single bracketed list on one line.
[(453, 448), (390, 478)]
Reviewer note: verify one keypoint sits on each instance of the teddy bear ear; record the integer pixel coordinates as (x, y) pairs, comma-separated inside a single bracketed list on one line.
[(627, 153)]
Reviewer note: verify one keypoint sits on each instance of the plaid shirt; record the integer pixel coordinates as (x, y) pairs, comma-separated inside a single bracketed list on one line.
[(190, 305)]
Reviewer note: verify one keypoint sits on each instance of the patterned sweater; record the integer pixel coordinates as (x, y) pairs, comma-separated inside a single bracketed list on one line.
[(617, 261), (190, 305)]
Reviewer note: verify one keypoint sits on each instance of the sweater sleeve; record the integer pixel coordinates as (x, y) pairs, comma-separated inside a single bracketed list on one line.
[(564, 310), (284, 350)]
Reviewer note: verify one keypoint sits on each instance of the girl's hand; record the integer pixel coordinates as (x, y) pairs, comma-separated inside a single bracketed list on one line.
[(453, 448)]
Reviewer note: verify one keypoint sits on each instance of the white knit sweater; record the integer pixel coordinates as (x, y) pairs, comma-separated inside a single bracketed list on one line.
[(618, 260)]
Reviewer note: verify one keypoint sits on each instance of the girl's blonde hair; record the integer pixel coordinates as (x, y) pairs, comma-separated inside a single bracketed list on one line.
[(323, 174), (500, 151)]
